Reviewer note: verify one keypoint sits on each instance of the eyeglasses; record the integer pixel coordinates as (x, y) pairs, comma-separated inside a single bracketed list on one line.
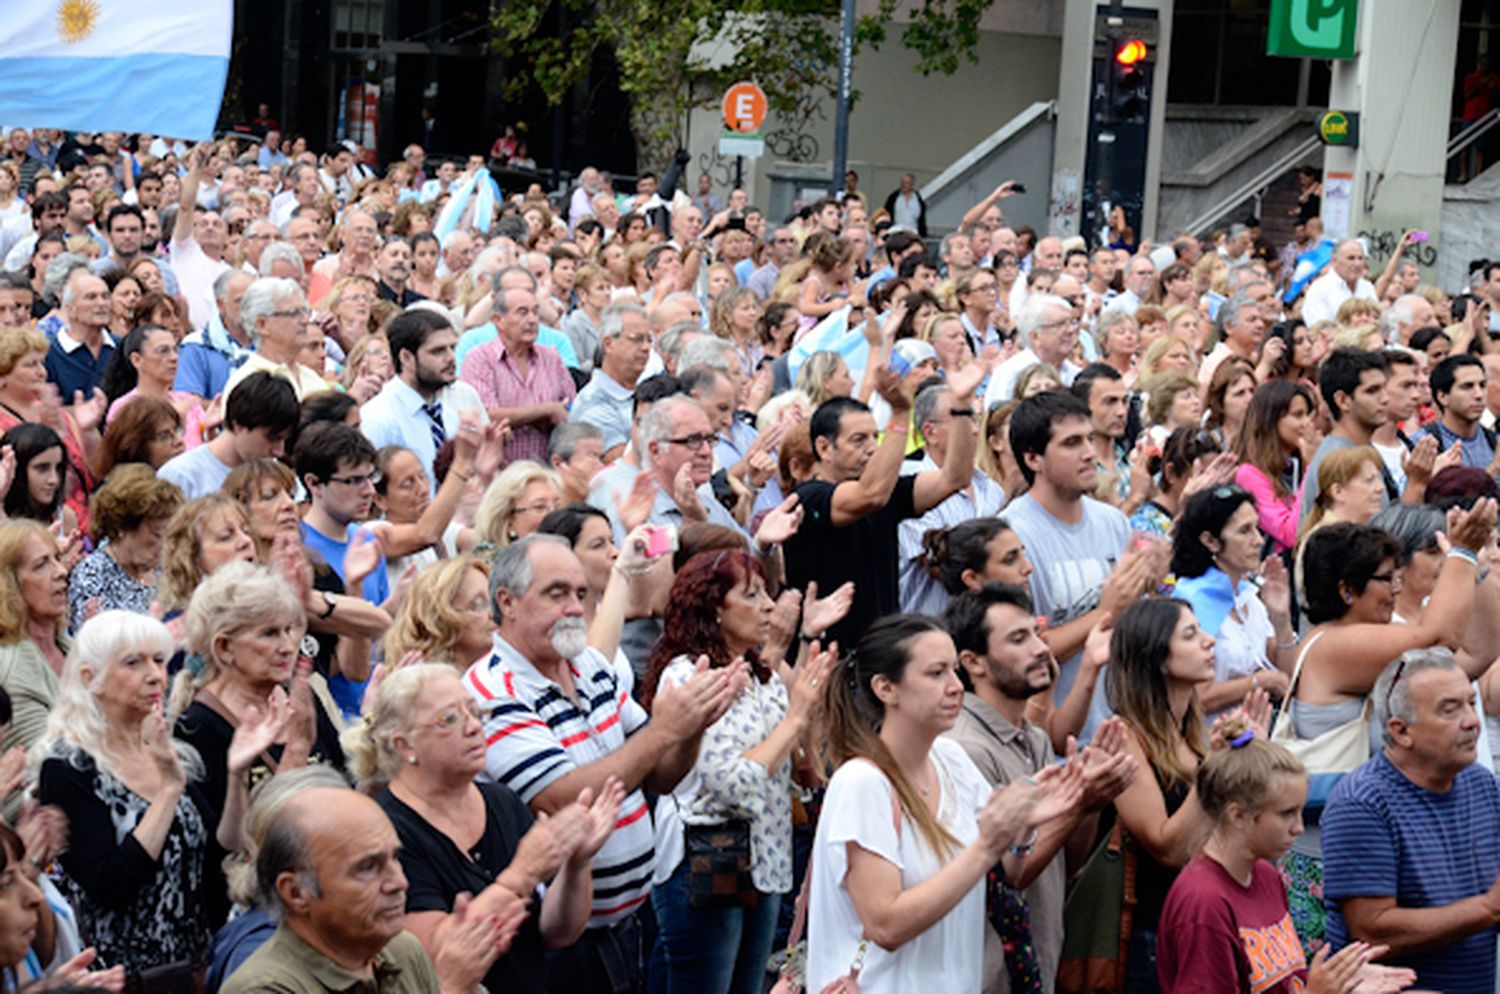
[(1383, 578), (296, 312), (362, 480), (540, 507), (693, 441), (1052, 325), (1395, 679), (449, 720), (984, 287)]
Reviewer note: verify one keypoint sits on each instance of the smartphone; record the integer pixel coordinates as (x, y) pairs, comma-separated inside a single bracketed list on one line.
[(1418, 236), (661, 540), (1018, 188)]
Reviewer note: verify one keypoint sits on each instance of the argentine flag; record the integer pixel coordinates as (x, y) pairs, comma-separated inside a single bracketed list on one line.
[(114, 65), (832, 334)]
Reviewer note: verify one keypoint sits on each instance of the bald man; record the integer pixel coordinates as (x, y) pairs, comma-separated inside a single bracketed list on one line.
[(328, 870), (1344, 279)]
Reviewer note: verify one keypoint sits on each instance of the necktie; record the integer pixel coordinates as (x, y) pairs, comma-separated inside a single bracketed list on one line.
[(434, 412)]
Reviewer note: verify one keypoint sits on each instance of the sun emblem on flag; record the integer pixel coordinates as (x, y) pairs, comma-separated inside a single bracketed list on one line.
[(76, 19)]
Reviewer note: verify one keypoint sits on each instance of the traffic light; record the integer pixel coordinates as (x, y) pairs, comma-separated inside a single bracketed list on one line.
[(1130, 89)]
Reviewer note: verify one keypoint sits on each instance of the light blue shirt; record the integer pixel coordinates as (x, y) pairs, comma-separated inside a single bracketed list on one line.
[(197, 472), (606, 405)]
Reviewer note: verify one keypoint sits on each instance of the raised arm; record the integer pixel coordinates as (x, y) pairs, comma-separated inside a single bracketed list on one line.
[(187, 204), (973, 214), (855, 499)]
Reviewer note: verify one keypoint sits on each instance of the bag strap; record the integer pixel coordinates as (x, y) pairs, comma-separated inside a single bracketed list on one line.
[(1291, 689), (799, 919)]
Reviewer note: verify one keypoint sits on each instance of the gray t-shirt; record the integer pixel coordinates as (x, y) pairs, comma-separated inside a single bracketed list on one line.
[(1071, 563), (197, 472)]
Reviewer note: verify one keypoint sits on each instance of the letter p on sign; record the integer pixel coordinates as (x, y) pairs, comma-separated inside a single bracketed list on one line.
[(744, 108)]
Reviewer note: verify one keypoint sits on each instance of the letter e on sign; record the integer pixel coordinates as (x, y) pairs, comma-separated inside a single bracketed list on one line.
[(744, 108)]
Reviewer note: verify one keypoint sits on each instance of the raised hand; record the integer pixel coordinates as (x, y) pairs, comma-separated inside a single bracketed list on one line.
[(685, 493), (7, 467), (888, 384), (822, 613), (810, 680), (363, 556), (1276, 587), (963, 382), (1473, 528), (157, 738), (1058, 790), (634, 506), (88, 412), (603, 811), (492, 451), (76, 973), (551, 840), (780, 523), (1096, 645), (473, 942), (12, 771), (684, 710), (258, 730)]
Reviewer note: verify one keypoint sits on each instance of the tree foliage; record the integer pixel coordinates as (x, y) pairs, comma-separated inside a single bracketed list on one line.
[(678, 55)]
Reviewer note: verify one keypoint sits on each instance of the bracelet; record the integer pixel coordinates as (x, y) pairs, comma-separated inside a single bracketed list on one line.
[(808, 638), (462, 476), (1024, 848), (1467, 555), (633, 571), (960, 412)]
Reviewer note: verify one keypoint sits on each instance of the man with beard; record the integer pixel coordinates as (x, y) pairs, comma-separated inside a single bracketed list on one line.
[(558, 719), (422, 406), (393, 263), (1001, 652), (124, 226)]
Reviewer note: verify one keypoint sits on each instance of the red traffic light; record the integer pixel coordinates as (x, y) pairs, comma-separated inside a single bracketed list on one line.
[(1131, 52)]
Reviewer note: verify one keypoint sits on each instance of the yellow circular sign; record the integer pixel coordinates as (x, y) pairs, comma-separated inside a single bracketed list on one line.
[(1333, 128)]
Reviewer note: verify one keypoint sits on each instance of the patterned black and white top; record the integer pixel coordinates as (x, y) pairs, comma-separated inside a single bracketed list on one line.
[(99, 584), (725, 786), (137, 911)]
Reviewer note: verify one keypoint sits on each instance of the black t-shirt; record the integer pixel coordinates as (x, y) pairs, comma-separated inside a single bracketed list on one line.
[(437, 872), (202, 728), (866, 552)]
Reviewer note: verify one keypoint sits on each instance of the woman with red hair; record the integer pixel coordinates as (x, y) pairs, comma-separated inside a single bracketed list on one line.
[(719, 614)]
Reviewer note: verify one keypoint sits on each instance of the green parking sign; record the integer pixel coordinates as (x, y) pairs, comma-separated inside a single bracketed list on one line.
[(1312, 29)]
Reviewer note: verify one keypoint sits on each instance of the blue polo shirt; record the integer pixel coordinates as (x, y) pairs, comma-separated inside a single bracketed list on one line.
[(73, 367)]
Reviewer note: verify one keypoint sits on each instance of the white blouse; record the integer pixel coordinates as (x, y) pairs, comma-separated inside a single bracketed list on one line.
[(858, 808), (725, 786)]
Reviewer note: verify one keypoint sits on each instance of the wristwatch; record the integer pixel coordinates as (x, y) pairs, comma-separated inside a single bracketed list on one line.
[(331, 603)]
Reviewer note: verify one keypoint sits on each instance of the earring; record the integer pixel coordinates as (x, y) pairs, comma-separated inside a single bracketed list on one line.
[(412, 760), (1348, 599)]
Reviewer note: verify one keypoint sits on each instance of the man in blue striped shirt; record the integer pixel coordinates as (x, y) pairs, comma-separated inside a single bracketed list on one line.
[(1410, 851), (558, 717)]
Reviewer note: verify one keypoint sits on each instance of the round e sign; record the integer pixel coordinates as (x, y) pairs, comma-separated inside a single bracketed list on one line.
[(744, 108)]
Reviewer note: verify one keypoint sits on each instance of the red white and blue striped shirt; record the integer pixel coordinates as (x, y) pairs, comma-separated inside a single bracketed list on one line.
[(536, 734)]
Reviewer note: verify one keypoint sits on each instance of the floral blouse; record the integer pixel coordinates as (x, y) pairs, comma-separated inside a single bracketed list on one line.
[(725, 786)]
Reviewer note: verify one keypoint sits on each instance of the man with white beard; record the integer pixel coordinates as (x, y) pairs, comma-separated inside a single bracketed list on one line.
[(559, 717)]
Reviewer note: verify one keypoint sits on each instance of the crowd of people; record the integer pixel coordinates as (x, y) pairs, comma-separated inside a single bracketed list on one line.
[(410, 583)]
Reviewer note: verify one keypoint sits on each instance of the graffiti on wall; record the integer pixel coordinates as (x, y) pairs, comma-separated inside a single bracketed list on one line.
[(1379, 245)]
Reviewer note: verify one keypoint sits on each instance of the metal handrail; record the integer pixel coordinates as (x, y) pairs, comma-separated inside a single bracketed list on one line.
[(1253, 187), (1473, 132)]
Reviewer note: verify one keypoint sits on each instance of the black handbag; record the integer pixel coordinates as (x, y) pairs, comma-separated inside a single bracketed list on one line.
[(718, 859)]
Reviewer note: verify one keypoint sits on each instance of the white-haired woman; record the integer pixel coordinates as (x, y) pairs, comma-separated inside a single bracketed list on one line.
[(141, 830), (423, 742), (245, 630)]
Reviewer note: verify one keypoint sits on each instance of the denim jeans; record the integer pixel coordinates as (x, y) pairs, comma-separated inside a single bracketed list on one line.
[(1140, 964), (711, 950)]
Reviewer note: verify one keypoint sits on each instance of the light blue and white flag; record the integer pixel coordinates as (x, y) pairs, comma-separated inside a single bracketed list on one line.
[(483, 190), (832, 334), (114, 65), (1309, 265)]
